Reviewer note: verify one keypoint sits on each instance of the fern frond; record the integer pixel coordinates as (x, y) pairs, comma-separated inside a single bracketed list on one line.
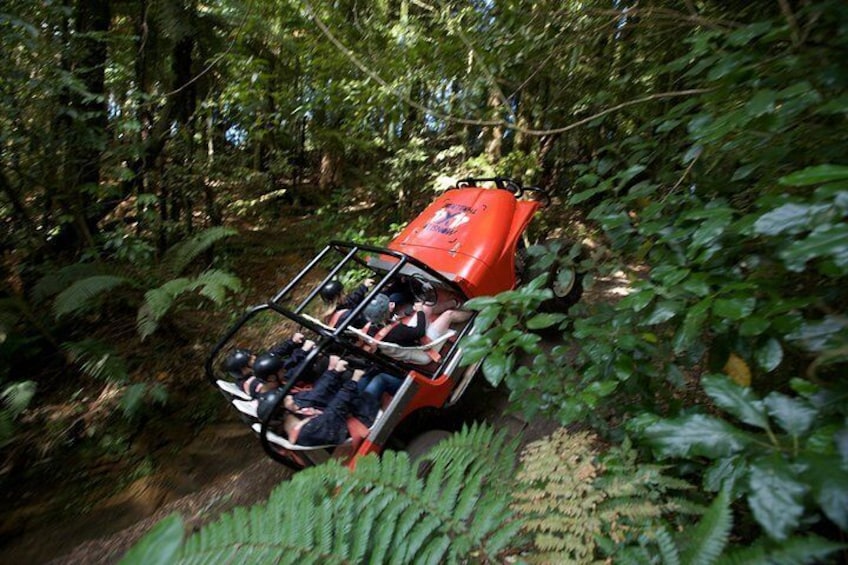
[(156, 304), (581, 504), (55, 282), (79, 296), (376, 513), (706, 542), (97, 360), (181, 254), (668, 549), (214, 284), (16, 397)]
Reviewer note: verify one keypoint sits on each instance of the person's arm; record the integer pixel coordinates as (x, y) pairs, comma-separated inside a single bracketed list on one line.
[(354, 298), (285, 348)]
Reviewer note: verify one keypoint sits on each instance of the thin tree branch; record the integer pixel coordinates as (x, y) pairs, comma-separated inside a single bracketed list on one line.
[(656, 96), (482, 123)]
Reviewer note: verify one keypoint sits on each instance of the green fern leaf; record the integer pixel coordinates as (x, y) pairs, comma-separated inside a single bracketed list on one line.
[(668, 549), (180, 255), (16, 397), (214, 284), (97, 360), (157, 302), (55, 282), (707, 541), (160, 545), (79, 296), (376, 514)]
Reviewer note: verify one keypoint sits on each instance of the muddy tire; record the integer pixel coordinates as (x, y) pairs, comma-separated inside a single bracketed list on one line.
[(559, 260)]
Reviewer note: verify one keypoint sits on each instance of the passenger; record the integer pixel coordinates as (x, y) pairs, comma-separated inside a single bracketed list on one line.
[(330, 426), (271, 367), (239, 364), (333, 294), (409, 333), (314, 401)]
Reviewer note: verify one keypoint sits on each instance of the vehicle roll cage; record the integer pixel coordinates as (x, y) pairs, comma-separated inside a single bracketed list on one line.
[(337, 337)]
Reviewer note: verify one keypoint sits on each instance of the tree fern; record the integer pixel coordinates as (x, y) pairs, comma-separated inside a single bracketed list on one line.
[(97, 360), (181, 254), (212, 284), (378, 513), (56, 281), (80, 295)]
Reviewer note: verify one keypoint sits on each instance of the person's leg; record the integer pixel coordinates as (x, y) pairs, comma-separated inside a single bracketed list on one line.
[(443, 323), (384, 382)]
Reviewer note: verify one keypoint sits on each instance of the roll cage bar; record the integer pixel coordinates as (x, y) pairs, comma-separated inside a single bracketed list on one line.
[(337, 338)]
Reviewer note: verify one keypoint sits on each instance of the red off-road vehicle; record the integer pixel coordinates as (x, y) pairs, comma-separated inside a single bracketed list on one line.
[(466, 244)]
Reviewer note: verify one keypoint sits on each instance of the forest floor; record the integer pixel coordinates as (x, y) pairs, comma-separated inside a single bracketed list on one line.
[(197, 469)]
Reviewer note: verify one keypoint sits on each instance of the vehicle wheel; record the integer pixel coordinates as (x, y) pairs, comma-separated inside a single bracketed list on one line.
[(421, 446), (559, 261)]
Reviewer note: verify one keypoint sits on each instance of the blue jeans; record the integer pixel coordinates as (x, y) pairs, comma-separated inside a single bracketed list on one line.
[(384, 382)]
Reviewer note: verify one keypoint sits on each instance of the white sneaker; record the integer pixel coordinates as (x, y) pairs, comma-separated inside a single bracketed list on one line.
[(247, 407), (232, 389)]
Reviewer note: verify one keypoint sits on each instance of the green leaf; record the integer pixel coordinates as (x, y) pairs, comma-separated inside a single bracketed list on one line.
[(820, 335), (830, 241), (692, 324), (762, 102), (739, 401), (79, 296), (663, 312), (544, 320), (728, 471), (753, 326), (791, 218), (775, 497), (815, 175), (636, 301), (161, 545), (734, 308), (769, 355), (495, 367), (810, 549), (794, 415), (486, 317), (832, 496), (695, 435)]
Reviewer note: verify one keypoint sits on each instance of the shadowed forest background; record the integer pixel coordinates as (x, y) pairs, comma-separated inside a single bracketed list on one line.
[(163, 165)]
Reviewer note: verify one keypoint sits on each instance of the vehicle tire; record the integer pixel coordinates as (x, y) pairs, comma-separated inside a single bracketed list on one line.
[(421, 446), (562, 275)]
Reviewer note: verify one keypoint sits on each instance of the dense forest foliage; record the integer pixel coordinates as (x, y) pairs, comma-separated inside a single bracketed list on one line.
[(696, 147)]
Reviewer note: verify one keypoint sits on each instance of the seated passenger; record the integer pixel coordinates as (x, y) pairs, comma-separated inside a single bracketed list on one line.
[(333, 294), (330, 426), (239, 364), (314, 401), (271, 367), (411, 332)]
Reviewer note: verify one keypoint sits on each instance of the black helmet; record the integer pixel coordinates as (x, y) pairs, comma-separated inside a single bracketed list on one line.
[(267, 402), (331, 291), (267, 366), (236, 360)]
